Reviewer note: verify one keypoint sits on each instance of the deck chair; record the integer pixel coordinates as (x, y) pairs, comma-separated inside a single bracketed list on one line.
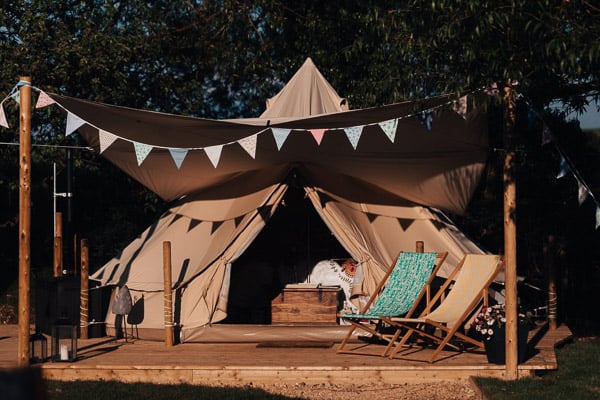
[(470, 281), (399, 293)]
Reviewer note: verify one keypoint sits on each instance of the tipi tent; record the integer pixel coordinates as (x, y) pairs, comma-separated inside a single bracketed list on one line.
[(380, 178)]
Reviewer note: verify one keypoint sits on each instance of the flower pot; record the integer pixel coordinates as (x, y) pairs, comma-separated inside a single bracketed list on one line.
[(495, 347)]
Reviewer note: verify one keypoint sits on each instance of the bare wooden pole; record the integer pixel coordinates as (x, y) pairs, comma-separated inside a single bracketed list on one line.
[(84, 289), (168, 294), (420, 246), (510, 233), (550, 265), (58, 262), (24, 220)]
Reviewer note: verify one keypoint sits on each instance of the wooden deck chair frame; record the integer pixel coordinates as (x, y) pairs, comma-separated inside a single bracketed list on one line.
[(357, 322), (429, 318)]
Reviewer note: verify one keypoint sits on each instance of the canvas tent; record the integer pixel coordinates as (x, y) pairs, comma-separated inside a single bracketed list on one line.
[(380, 178)]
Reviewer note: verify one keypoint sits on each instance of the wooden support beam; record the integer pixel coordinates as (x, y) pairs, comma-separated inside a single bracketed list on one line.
[(550, 265), (84, 291), (58, 261), (168, 303), (510, 233), (24, 220)]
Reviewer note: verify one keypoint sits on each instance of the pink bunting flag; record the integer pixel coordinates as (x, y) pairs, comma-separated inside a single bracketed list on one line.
[(249, 144), (214, 154), (318, 134), (3, 121), (43, 100), (106, 139)]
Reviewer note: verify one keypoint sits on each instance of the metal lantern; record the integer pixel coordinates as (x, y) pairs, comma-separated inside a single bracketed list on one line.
[(38, 347), (64, 343)]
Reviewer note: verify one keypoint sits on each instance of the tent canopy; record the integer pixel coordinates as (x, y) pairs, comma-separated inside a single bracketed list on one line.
[(380, 178)]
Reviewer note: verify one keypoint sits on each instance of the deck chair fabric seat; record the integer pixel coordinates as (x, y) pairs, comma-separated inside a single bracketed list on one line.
[(471, 279), (398, 293)]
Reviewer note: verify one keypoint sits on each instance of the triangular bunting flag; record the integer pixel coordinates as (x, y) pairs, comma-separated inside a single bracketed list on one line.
[(16, 96), (405, 223), (43, 100), (193, 223), (318, 134), (175, 219), (238, 220), (3, 121), (178, 156), (460, 107), (215, 226), (73, 122), (597, 216), (582, 192), (280, 136), (371, 217), (563, 168), (214, 154), (265, 212), (249, 144), (141, 151), (353, 133), (389, 128), (106, 139)]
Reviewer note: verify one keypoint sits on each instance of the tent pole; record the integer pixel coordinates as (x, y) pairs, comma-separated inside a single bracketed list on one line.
[(24, 220), (84, 292), (58, 264), (510, 233), (168, 302)]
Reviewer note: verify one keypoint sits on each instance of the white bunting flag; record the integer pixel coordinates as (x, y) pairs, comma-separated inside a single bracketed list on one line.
[(563, 168), (597, 217), (582, 192), (73, 122), (3, 121), (141, 151), (43, 100), (389, 128), (16, 96), (318, 134), (353, 133), (106, 139), (280, 136), (178, 156), (249, 144), (214, 154)]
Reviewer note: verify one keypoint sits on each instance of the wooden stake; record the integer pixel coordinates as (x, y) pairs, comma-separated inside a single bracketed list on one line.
[(550, 265), (84, 296), (510, 234), (168, 307), (24, 220), (58, 262)]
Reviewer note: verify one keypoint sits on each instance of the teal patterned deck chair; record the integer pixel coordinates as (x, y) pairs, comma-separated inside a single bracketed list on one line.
[(399, 293)]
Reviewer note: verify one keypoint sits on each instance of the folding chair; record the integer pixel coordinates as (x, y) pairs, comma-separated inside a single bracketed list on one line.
[(472, 278), (397, 294)]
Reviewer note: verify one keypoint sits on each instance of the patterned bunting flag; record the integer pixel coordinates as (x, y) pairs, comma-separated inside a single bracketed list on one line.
[(106, 139), (3, 121), (43, 100), (141, 151), (214, 154), (389, 128), (318, 134), (73, 122), (353, 133), (178, 156), (280, 136), (249, 144), (16, 96)]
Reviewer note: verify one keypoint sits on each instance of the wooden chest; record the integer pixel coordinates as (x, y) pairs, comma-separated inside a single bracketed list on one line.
[(306, 305)]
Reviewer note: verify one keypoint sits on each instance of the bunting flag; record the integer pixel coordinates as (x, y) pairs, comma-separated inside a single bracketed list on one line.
[(141, 151), (178, 156), (73, 122), (597, 216), (405, 223), (492, 90), (564, 168), (318, 134), (280, 136), (249, 144), (214, 154), (16, 96), (389, 128), (426, 118), (193, 223), (546, 135), (106, 139), (353, 133), (215, 225), (3, 121), (582, 192), (460, 107), (43, 100)]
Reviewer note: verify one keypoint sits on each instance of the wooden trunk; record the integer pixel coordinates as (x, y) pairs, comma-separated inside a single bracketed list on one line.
[(307, 306)]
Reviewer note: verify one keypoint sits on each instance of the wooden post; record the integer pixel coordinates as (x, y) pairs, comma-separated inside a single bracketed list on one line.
[(420, 246), (550, 265), (168, 307), (84, 295), (510, 233), (24, 220), (58, 262)]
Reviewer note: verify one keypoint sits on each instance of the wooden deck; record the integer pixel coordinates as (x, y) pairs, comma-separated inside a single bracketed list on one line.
[(245, 363)]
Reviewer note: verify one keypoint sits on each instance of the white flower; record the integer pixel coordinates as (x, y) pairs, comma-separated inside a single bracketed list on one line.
[(490, 322), (490, 332)]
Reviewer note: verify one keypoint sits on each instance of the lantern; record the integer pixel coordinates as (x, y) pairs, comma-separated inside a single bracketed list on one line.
[(38, 347), (64, 343)]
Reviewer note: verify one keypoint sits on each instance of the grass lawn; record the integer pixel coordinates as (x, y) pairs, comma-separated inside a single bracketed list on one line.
[(577, 377)]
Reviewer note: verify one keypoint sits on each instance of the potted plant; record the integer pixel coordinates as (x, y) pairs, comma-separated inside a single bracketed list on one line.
[(490, 323)]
